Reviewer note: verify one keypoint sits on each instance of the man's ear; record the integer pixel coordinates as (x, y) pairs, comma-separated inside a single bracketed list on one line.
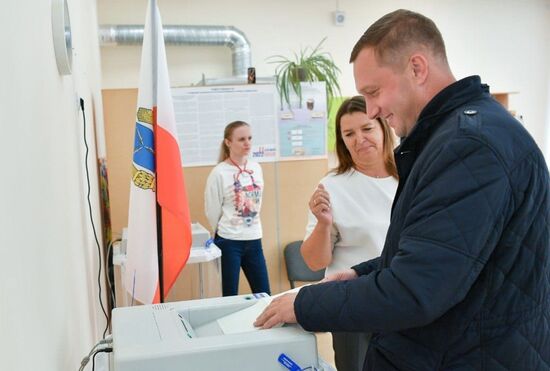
[(419, 68)]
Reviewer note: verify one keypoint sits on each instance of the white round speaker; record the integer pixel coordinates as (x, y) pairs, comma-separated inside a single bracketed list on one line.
[(339, 18)]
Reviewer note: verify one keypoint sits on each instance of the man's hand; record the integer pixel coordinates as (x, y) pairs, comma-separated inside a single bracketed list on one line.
[(281, 310), (346, 275)]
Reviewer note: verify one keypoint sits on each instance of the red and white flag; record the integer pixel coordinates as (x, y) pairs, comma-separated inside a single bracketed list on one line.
[(157, 177)]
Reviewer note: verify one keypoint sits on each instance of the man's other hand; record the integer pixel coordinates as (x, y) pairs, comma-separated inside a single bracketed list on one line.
[(281, 310)]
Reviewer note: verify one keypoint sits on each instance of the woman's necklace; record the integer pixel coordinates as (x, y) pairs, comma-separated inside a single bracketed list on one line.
[(237, 186), (368, 173), (241, 170)]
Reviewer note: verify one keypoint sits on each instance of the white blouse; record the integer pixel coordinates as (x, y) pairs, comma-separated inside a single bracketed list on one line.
[(361, 209)]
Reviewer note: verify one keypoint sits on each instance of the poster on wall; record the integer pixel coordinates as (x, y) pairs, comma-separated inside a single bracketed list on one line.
[(203, 112), (302, 127)]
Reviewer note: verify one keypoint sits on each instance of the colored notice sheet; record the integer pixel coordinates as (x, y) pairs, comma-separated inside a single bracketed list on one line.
[(303, 128)]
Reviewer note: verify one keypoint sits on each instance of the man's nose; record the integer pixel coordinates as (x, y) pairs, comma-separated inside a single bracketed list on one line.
[(372, 109)]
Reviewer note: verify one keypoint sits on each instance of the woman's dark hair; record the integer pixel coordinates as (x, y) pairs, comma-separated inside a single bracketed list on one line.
[(345, 161)]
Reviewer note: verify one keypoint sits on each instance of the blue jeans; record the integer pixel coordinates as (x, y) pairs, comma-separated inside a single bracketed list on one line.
[(248, 255)]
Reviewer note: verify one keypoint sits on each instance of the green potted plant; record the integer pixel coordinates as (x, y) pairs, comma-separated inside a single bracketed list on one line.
[(309, 65)]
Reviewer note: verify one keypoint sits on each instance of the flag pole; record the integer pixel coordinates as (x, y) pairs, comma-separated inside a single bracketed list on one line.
[(154, 44)]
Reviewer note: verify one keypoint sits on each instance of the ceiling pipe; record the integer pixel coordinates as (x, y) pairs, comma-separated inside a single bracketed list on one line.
[(230, 36)]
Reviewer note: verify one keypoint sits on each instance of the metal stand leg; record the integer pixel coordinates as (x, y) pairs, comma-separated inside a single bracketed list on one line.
[(201, 282)]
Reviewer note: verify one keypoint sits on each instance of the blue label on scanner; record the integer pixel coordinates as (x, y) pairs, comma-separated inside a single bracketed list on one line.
[(288, 363)]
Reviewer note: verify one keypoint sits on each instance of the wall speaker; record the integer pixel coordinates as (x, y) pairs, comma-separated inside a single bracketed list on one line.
[(339, 17)]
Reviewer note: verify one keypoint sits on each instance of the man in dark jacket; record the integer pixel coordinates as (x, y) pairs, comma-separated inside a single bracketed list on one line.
[(463, 282)]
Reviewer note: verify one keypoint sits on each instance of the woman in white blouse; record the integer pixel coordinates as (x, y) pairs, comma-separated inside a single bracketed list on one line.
[(233, 198), (350, 209)]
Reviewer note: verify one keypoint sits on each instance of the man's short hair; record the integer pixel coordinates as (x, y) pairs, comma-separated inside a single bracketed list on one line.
[(395, 35)]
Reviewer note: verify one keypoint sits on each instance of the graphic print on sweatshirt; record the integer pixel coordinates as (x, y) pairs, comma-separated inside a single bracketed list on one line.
[(248, 196)]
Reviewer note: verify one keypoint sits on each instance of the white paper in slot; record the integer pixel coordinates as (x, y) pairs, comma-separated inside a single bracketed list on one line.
[(243, 320)]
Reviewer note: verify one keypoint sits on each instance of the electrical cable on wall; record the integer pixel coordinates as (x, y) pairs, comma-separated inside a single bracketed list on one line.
[(106, 350), (92, 219), (104, 345), (110, 274)]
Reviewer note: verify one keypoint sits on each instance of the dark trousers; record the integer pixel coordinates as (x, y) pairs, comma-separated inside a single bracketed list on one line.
[(248, 255), (350, 349)]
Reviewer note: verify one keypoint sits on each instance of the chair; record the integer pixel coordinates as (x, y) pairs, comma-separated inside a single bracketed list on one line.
[(296, 268)]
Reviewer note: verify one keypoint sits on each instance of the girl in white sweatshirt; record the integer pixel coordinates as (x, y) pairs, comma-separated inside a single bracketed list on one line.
[(233, 197)]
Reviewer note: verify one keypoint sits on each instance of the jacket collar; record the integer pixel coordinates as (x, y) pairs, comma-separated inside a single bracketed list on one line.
[(451, 97), (448, 99)]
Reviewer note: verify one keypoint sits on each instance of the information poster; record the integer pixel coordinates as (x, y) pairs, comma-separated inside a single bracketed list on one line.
[(302, 127), (203, 112)]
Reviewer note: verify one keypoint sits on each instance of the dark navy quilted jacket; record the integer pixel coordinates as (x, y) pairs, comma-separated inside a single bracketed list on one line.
[(463, 282)]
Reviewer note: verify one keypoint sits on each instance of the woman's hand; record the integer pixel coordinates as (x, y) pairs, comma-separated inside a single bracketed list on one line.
[(345, 275), (319, 204)]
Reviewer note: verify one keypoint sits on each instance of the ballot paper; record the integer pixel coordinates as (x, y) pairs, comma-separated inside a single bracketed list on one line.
[(243, 320)]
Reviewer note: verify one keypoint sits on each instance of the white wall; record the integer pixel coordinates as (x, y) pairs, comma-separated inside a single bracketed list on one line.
[(507, 42), (49, 311)]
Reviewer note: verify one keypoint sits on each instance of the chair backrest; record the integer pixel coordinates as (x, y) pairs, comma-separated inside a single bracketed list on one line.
[(296, 268)]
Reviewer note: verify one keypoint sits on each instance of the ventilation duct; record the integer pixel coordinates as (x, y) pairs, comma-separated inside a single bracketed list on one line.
[(186, 35)]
